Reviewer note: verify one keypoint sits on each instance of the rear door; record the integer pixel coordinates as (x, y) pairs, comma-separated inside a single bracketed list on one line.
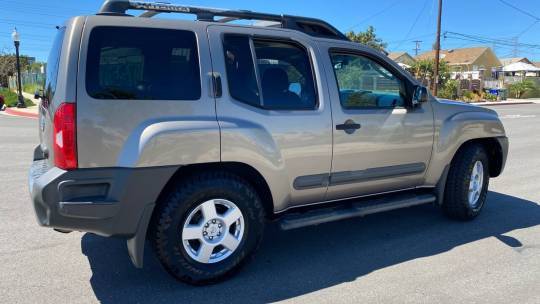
[(274, 112)]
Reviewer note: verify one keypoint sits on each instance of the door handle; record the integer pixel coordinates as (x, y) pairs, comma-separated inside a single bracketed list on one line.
[(216, 85), (349, 126)]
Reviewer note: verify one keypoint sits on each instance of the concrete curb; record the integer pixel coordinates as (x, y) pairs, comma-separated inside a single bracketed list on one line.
[(491, 104), (15, 112)]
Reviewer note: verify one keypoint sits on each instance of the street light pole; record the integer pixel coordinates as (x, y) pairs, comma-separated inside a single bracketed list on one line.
[(435, 82), (17, 41)]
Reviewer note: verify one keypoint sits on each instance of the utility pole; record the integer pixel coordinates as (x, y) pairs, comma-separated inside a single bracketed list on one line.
[(417, 47), (515, 49), (435, 81)]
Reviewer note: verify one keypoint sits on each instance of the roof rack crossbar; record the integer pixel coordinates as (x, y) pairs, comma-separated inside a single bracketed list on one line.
[(311, 26)]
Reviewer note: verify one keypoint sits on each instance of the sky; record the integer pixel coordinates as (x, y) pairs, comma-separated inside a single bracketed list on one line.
[(397, 22)]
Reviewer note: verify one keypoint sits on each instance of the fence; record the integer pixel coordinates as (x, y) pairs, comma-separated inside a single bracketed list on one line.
[(34, 80)]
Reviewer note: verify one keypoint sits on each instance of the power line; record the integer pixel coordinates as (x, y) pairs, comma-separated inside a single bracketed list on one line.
[(511, 45), (415, 21), (415, 37), (520, 10), (376, 14), (527, 29), (488, 40)]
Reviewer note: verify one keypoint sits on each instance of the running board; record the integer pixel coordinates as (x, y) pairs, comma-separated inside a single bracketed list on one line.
[(355, 209)]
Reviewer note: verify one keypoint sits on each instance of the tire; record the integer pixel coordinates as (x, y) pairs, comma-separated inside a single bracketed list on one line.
[(188, 200), (458, 204)]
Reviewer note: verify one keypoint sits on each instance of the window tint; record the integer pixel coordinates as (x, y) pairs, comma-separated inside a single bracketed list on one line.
[(283, 73), (363, 83), (52, 64), (240, 69), (141, 63)]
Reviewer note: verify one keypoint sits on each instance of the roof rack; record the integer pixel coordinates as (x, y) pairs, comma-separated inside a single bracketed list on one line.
[(310, 26)]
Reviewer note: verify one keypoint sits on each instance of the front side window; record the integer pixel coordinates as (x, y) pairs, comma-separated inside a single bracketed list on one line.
[(363, 83), (282, 78), (142, 63)]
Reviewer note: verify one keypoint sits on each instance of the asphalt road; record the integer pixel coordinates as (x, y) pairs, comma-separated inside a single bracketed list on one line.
[(407, 256)]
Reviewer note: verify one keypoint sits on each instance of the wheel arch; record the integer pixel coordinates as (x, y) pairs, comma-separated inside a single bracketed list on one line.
[(244, 171), (495, 152), (496, 149)]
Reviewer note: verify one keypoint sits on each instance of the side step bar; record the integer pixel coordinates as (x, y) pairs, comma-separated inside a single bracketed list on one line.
[(356, 209)]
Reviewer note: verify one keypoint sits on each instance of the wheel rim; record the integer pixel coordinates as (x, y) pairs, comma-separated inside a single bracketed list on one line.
[(213, 231), (476, 183)]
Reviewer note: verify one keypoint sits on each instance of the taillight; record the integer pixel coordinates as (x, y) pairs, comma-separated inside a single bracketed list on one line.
[(65, 136)]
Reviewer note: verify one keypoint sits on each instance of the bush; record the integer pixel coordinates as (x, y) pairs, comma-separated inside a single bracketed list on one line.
[(490, 97), (11, 98), (449, 90), (31, 88), (471, 96), (519, 89), (468, 95), (534, 93)]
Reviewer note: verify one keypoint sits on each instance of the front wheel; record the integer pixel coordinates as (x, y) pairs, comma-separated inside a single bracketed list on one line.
[(207, 226), (467, 184)]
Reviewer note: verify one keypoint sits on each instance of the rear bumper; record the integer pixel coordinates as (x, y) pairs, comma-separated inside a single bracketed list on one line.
[(105, 201)]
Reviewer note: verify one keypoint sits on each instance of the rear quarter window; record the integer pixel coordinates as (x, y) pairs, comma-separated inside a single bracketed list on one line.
[(142, 64), (53, 63)]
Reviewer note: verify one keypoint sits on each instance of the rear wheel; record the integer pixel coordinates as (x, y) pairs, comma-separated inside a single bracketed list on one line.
[(467, 183), (207, 226)]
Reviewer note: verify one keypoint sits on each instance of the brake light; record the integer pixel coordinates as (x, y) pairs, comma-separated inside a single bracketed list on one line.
[(65, 137)]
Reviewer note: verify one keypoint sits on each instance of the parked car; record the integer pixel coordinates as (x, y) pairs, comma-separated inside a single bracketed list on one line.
[(194, 134)]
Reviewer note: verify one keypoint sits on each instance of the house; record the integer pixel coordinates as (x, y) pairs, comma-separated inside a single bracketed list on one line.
[(402, 57), (508, 61), (537, 63), (468, 63)]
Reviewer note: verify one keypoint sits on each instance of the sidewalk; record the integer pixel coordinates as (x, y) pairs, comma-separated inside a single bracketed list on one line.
[(509, 101), (31, 112)]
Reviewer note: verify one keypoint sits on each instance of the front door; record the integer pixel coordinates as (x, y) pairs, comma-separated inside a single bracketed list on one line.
[(381, 142)]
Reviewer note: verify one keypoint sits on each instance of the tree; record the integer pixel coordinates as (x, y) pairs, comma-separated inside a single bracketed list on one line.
[(8, 66), (368, 38), (519, 88), (423, 70)]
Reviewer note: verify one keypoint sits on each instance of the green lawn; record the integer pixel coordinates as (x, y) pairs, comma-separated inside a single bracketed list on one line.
[(10, 98)]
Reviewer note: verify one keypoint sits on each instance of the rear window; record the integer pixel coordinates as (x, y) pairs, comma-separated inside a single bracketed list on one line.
[(142, 63)]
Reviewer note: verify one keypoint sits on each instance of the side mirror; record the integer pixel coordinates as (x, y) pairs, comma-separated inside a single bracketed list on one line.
[(38, 94), (420, 95)]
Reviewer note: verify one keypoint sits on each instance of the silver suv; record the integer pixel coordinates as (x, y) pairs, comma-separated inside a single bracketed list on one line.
[(193, 134)]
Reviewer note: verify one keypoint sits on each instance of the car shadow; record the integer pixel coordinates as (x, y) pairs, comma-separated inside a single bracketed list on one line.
[(301, 261)]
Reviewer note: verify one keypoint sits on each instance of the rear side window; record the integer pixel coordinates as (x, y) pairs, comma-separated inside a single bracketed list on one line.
[(240, 69), (53, 63), (280, 77), (142, 63)]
